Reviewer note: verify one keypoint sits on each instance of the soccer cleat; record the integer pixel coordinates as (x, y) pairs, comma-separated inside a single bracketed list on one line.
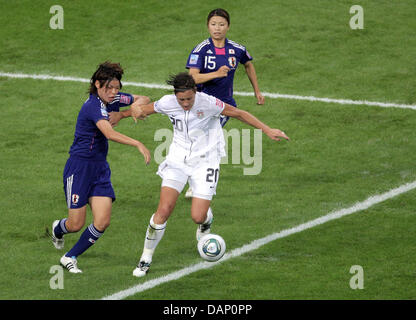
[(70, 263), (58, 243), (203, 229), (141, 269), (188, 193)]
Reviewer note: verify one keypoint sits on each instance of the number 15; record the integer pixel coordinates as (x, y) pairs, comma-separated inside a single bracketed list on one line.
[(210, 62)]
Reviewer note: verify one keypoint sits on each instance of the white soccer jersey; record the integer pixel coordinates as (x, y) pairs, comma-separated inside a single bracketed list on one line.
[(197, 132)]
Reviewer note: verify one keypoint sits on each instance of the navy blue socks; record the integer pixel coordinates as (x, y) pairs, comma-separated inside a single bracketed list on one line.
[(87, 239)]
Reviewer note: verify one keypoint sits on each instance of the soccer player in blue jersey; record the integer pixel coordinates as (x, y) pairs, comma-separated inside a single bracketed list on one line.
[(86, 175), (213, 62)]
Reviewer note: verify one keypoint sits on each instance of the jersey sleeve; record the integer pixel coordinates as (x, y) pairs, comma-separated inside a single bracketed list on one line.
[(162, 105), (121, 100), (245, 56), (216, 106), (126, 99), (195, 60), (95, 112)]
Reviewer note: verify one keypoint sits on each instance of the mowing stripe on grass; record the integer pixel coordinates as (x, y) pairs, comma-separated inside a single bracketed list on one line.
[(237, 93), (359, 206)]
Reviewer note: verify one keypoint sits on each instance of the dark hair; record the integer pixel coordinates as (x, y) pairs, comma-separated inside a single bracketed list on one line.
[(106, 72), (181, 82), (219, 12)]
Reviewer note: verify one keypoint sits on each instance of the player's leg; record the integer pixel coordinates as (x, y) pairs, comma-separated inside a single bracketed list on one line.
[(201, 214), (173, 182), (74, 223), (204, 182), (76, 191), (199, 210), (100, 193), (101, 210), (76, 219), (157, 225)]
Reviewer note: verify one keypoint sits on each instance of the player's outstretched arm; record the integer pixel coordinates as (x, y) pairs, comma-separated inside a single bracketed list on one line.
[(139, 111), (115, 117), (107, 130), (246, 117)]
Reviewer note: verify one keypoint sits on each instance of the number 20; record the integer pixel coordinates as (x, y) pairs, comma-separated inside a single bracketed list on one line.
[(177, 123)]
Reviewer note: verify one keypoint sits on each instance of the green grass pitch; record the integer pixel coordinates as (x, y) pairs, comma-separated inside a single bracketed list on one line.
[(338, 155)]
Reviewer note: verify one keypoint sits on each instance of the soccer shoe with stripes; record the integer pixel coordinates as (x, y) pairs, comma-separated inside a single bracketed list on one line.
[(58, 243), (70, 263), (141, 269), (203, 229)]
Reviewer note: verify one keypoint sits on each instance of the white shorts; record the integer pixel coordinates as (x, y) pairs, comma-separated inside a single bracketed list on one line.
[(202, 177)]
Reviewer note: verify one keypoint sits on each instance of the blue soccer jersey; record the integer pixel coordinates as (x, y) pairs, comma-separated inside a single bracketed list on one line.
[(208, 58), (89, 142)]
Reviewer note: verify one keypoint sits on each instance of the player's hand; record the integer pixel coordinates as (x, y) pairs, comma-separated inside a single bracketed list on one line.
[(114, 118), (223, 71), (145, 152), (137, 112), (260, 98), (276, 134)]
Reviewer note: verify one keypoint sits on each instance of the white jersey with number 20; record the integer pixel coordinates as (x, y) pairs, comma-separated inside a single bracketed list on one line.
[(197, 132)]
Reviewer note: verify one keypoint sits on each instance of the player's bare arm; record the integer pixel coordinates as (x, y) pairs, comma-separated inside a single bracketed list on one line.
[(246, 117), (140, 111), (107, 130), (251, 74), (115, 117), (204, 77)]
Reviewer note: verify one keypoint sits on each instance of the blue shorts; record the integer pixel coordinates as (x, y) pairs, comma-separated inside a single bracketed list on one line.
[(224, 119), (84, 179)]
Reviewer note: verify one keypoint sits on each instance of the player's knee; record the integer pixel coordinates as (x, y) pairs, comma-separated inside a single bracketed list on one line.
[(74, 226), (198, 218), (102, 225), (163, 214), (165, 209)]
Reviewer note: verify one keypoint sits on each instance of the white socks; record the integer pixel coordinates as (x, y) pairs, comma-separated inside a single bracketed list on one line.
[(209, 216), (154, 234)]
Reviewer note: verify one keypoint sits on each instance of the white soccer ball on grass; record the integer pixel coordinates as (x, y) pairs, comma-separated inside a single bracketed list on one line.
[(211, 247)]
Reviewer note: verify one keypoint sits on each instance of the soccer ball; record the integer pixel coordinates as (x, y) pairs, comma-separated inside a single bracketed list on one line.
[(211, 247)]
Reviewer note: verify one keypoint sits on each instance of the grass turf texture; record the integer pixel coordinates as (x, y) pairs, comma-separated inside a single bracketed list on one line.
[(338, 154)]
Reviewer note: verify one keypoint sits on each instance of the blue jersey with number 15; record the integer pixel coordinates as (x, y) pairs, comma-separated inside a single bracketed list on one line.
[(208, 58)]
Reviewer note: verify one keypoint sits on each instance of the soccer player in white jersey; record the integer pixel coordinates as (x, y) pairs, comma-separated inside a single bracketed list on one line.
[(194, 155)]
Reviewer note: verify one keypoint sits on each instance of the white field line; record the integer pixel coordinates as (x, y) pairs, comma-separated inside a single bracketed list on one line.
[(237, 93), (359, 206)]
